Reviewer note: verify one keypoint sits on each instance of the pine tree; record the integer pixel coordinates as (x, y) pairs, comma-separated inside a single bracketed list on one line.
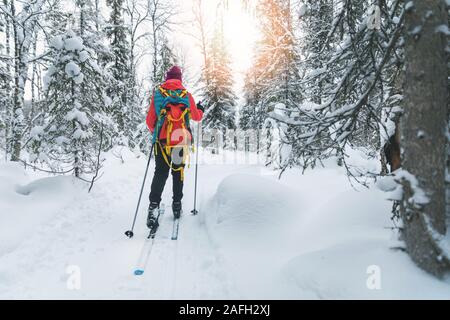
[(166, 59), (23, 27), (119, 68), (54, 23), (218, 95), (87, 25), (315, 23), (75, 108), (274, 77), (94, 40), (252, 115), (356, 68)]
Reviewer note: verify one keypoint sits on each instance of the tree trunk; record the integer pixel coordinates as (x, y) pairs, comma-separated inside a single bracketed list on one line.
[(8, 83), (76, 151), (155, 47), (424, 128), (33, 84), (19, 86), (82, 18)]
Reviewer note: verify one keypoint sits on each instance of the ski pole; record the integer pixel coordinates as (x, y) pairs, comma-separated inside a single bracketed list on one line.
[(194, 211), (129, 233)]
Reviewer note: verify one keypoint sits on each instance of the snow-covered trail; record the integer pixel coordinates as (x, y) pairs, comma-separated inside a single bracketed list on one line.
[(88, 232), (306, 236)]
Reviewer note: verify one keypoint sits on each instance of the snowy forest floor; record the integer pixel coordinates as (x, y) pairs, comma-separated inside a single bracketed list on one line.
[(308, 236)]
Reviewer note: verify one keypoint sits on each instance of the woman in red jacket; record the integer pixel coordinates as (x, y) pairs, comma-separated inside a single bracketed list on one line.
[(166, 120)]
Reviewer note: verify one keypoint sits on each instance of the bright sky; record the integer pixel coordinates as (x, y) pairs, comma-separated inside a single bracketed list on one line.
[(241, 33)]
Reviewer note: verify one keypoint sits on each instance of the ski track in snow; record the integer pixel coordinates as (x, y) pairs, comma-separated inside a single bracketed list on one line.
[(88, 232), (246, 243)]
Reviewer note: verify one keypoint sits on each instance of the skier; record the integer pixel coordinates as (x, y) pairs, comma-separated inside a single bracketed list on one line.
[(171, 108)]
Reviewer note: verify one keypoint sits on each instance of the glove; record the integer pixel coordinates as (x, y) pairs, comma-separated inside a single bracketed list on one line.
[(200, 107)]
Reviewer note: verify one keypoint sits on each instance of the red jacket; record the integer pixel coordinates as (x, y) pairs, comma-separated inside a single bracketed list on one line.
[(196, 114)]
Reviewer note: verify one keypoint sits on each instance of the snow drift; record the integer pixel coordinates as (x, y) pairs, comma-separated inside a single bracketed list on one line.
[(25, 205), (344, 241), (311, 237), (251, 220), (251, 210)]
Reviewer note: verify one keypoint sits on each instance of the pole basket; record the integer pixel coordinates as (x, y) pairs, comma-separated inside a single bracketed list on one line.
[(129, 234)]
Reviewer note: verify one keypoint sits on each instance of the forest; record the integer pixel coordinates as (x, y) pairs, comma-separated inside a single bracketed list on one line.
[(360, 86)]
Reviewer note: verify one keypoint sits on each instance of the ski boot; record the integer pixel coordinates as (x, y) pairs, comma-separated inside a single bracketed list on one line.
[(176, 209), (152, 220)]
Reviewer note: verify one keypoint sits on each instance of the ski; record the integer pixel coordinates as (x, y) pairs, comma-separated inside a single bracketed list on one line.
[(176, 224), (148, 246)]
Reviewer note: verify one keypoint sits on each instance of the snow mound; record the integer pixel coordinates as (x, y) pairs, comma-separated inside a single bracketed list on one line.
[(24, 206), (361, 270), (344, 217), (343, 242), (252, 221), (47, 187), (246, 209)]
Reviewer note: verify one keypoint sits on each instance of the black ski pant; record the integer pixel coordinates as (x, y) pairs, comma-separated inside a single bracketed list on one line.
[(162, 168)]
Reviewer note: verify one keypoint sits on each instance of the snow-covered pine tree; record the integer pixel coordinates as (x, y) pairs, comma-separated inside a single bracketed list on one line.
[(251, 115), (70, 133), (316, 17), (93, 35), (119, 67), (24, 21), (54, 22), (313, 28), (87, 27), (365, 52), (218, 94), (275, 72), (167, 58)]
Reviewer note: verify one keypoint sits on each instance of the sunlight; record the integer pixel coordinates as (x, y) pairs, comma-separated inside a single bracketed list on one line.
[(241, 32)]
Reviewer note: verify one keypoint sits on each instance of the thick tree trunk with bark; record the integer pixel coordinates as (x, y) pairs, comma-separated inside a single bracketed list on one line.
[(424, 126)]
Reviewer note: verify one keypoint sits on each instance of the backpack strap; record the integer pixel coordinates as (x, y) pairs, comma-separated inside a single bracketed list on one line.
[(168, 97), (181, 93), (165, 93)]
